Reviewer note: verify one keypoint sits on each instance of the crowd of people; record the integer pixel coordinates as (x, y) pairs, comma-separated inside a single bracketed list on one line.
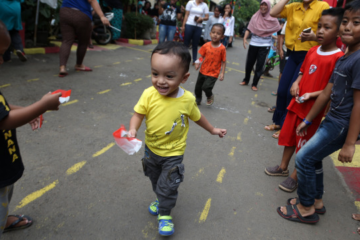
[(318, 79)]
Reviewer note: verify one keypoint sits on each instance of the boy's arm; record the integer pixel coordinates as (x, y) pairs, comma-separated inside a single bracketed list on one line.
[(319, 104), (307, 96), (19, 116), (135, 123), (223, 67), (204, 123), (294, 90), (197, 62), (347, 151)]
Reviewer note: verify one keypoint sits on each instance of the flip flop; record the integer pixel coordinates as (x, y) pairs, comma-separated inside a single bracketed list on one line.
[(63, 74), (272, 109), (276, 135), (20, 218), (86, 69), (254, 88), (274, 93), (318, 211), (272, 127), (243, 83), (294, 215)]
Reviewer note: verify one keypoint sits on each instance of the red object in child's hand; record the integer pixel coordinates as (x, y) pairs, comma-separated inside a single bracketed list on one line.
[(65, 95), (41, 121), (129, 145)]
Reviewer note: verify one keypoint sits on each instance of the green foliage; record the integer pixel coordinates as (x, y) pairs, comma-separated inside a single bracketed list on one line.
[(140, 22), (244, 14)]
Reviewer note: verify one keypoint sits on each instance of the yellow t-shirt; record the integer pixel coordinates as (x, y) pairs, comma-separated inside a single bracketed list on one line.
[(298, 19), (167, 121)]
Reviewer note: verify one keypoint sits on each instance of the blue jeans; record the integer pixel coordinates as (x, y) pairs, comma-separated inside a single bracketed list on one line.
[(166, 31), (329, 138), (288, 77), (16, 44), (192, 33), (225, 41)]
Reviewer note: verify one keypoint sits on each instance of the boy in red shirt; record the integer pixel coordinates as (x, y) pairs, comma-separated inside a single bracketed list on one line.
[(215, 59), (314, 75)]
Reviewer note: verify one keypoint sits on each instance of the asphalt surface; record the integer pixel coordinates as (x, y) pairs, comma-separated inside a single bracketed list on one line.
[(79, 185)]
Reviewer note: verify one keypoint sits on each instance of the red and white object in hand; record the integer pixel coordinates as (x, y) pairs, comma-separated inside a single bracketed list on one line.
[(129, 145), (65, 95), (41, 121)]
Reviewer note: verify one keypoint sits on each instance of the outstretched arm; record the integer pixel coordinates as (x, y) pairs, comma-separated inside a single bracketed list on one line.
[(204, 123), (276, 10), (347, 151), (135, 123)]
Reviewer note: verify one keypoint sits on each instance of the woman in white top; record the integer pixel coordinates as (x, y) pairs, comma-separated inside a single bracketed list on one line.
[(262, 26), (192, 25), (229, 22)]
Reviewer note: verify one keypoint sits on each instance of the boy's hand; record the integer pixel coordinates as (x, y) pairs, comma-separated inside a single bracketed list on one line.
[(219, 131), (197, 65), (301, 130), (305, 97), (132, 133), (51, 101), (221, 77), (294, 90), (346, 153), (35, 123)]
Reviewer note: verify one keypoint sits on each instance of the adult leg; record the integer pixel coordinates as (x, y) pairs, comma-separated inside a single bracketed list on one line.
[(250, 61), (170, 33), (162, 33), (195, 41), (260, 64), (83, 31), (198, 87), (189, 31), (17, 44), (116, 22), (68, 36)]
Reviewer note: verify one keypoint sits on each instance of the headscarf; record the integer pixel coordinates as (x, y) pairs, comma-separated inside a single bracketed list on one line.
[(264, 25)]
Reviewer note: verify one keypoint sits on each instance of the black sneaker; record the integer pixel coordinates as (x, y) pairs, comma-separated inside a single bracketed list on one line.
[(21, 55)]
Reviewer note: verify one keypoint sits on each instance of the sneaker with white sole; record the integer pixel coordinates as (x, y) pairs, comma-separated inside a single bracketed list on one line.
[(21, 55), (154, 208), (166, 226)]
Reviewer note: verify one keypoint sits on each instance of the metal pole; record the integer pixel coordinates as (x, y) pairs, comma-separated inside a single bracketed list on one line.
[(36, 21)]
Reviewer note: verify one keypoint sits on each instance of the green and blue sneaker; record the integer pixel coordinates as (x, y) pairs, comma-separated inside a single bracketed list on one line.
[(166, 226), (154, 208)]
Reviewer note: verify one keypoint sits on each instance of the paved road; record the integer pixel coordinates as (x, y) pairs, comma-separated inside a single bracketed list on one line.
[(78, 185)]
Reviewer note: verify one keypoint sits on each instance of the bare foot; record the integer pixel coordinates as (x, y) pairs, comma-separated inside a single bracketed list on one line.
[(318, 204), (356, 216), (304, 211), (62, 69), (12, 218)]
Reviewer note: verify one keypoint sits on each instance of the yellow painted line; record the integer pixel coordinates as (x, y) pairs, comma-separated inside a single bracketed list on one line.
[(227, 62), (205, 212), (232, 151), (255, 95), (137, 80), (140, 50), (116, 63), (239, 136), (105, 91), (98, 66), (260, 84), (5, 85), (357, 204), (235, 63), (33, 80), (56, 75), (76, 167), (253, 103), (131, 113), (127, 83), (128, 61), (148, 76), (71, 102), (249, 111), (110, 46), (140, 58), (34, 50), (355, 162), (246, 120), (226, 71), (259, 194), (221, 175), (98, 153), (35, 195)]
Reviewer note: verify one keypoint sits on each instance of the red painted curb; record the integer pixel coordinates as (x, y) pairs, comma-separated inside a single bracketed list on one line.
[(124, 40), (146, 42), (55, 49)]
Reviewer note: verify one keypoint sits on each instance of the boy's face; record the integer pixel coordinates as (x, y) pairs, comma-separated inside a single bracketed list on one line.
[(216, 34), (167, 73), (350, 28), (216, 12), (327, 30)]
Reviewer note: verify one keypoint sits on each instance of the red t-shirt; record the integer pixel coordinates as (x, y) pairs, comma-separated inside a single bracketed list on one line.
[(211, 65), (317, 69)]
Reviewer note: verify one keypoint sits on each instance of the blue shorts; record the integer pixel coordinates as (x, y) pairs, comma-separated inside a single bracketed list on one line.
[(272, 53)]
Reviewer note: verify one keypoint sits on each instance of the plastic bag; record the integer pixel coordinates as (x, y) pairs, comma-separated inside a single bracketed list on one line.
[(129, 145)]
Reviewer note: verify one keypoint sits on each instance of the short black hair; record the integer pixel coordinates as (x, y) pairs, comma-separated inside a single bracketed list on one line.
[(219, 8), (177, 49), (353, 6), (335, 12), (220, 26)]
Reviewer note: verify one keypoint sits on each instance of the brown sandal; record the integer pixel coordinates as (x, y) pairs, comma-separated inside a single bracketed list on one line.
[(272, 127), (243, 83)]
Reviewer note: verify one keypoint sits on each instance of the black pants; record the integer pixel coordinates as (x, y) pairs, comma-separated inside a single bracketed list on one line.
[(258, 55), (16, 44), (166, 174), (206, 84)]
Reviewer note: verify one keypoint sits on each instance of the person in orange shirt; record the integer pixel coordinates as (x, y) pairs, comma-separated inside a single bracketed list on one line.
[(215, 60)]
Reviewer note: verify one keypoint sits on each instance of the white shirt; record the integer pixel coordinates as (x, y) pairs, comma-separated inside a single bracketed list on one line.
[(260, 41), (229, 26), (196, 10)]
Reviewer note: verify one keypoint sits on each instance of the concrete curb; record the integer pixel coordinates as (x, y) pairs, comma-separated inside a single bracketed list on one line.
[(139, 42), (41, 50)]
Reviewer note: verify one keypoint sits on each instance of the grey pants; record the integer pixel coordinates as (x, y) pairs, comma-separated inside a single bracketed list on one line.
[(5, 197), (206, 84), (166, 174)]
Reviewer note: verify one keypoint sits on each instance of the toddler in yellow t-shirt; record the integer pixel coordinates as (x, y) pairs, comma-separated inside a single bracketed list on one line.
[(167, 108)]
